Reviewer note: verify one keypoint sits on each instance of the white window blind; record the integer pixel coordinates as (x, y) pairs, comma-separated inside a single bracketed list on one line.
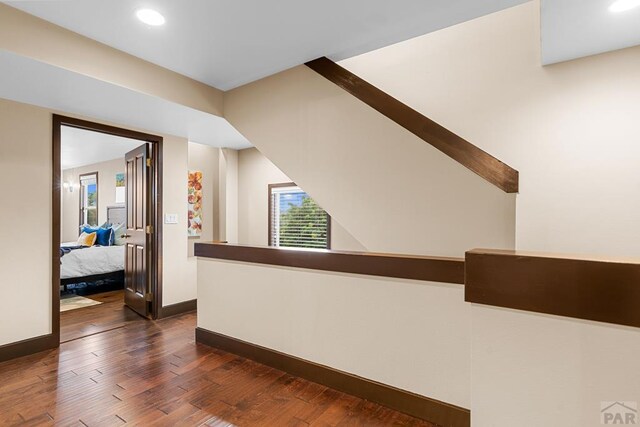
[(296, 220)]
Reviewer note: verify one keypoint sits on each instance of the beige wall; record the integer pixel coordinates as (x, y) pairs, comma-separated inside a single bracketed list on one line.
[(228, 195), (390, 190), (570, 129), (178, 270), (106, 194), (255, 173), (36, 38), (409, 334), (532, 370), (25, 262), (206, 159), (25, 221)]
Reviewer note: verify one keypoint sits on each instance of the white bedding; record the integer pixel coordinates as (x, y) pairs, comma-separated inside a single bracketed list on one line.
[(91, 261)]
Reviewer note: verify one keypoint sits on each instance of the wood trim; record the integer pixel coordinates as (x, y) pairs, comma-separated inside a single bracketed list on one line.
[(422, 407), (28, 346), (80, 219), (270, 218), (488, 167), (178, 308), (432, 269), (156, 205), (604, 290), (56, 201)]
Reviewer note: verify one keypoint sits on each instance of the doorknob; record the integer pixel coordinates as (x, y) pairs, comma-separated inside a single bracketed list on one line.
[(125, 236)]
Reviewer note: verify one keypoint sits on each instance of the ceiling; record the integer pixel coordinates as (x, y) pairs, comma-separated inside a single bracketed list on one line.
[(575, 28), (227, 43), (26, 80), (81, 147)]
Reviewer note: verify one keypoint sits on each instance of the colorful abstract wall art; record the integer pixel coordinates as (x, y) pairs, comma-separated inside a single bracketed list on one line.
[(195, 203)]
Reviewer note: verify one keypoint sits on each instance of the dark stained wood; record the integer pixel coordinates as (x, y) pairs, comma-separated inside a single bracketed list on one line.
[(156, 206), (137, 258), (56, 184), (413, 404), (432, 269), (28, 346), (179, 308), (454, 146), (153, 373), (605, 290)]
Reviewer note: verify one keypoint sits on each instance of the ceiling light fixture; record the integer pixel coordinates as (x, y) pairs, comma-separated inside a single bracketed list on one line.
[(150, 17), (623, 5)]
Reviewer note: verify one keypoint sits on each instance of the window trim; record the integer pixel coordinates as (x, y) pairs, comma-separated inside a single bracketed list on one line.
[(81, 207), (270, 218)]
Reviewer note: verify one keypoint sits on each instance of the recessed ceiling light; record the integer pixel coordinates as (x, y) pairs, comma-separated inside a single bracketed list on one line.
[(623, 5), (150, 17)]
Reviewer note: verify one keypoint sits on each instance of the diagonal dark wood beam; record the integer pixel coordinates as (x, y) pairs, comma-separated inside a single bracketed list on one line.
[(482, 163)]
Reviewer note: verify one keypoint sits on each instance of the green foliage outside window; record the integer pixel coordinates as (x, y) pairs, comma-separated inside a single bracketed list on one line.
[(304, 226)]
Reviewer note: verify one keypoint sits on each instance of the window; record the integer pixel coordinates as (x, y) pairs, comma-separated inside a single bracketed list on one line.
[(296, 220), (89, 199)]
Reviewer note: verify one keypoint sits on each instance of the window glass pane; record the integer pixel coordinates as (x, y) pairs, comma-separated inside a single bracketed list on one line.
[(92, 195), (92, 217), (89, 199), (297, 220)]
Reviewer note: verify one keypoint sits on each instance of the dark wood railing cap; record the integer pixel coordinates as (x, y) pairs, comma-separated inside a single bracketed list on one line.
[(604, 289), (416, 267)]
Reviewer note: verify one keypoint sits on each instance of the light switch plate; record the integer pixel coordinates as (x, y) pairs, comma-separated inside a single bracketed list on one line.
[(170, 218)]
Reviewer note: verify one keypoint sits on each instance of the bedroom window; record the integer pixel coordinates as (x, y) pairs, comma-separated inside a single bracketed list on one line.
[(296, 220), (89, 199)]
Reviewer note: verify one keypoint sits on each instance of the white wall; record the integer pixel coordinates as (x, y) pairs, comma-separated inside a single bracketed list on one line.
[(570, 129), (205, 158), (25, 221), (228, 194), (389, 189), (539, 370), (178, 273), (409, 334), (255, 173), (106, 194)]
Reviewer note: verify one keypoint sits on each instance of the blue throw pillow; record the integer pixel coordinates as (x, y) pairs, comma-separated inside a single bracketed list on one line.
[(104, 236), (108, 226)]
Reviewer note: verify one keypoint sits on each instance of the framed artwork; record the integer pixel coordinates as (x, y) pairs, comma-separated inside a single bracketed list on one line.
[(120, 191), (194, 203)]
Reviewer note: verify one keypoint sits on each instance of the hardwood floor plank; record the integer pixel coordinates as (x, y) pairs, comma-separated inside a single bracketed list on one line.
[(154, 374)]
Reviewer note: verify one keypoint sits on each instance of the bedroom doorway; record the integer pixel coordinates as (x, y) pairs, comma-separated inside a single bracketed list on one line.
[(106, 227)]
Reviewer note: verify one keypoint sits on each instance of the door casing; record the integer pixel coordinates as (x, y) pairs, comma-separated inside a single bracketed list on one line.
[(154, 270)]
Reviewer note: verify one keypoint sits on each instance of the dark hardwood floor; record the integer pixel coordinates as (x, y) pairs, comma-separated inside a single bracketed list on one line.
[(111, 314), (153, 373)]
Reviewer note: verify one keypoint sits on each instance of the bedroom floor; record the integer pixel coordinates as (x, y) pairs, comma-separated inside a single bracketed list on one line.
[(110, 314)]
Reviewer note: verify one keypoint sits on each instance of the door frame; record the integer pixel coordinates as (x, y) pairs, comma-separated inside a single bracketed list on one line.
[(155, 270)]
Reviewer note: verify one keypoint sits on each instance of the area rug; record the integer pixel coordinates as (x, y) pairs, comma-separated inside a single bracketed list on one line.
[(73, 302)]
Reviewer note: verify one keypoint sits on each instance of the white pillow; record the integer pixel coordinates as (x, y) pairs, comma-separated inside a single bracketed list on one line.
[(119, 230)]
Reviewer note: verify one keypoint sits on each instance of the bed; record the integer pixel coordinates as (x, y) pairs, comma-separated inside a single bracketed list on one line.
[(97, 264)]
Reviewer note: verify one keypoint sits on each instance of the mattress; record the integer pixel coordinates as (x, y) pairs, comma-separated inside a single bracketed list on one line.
[(91, 261)]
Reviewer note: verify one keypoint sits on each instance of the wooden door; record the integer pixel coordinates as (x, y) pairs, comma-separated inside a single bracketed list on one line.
[(137, 256)]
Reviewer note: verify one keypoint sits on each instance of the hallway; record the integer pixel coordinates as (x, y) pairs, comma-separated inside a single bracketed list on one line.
[(153, 373)]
